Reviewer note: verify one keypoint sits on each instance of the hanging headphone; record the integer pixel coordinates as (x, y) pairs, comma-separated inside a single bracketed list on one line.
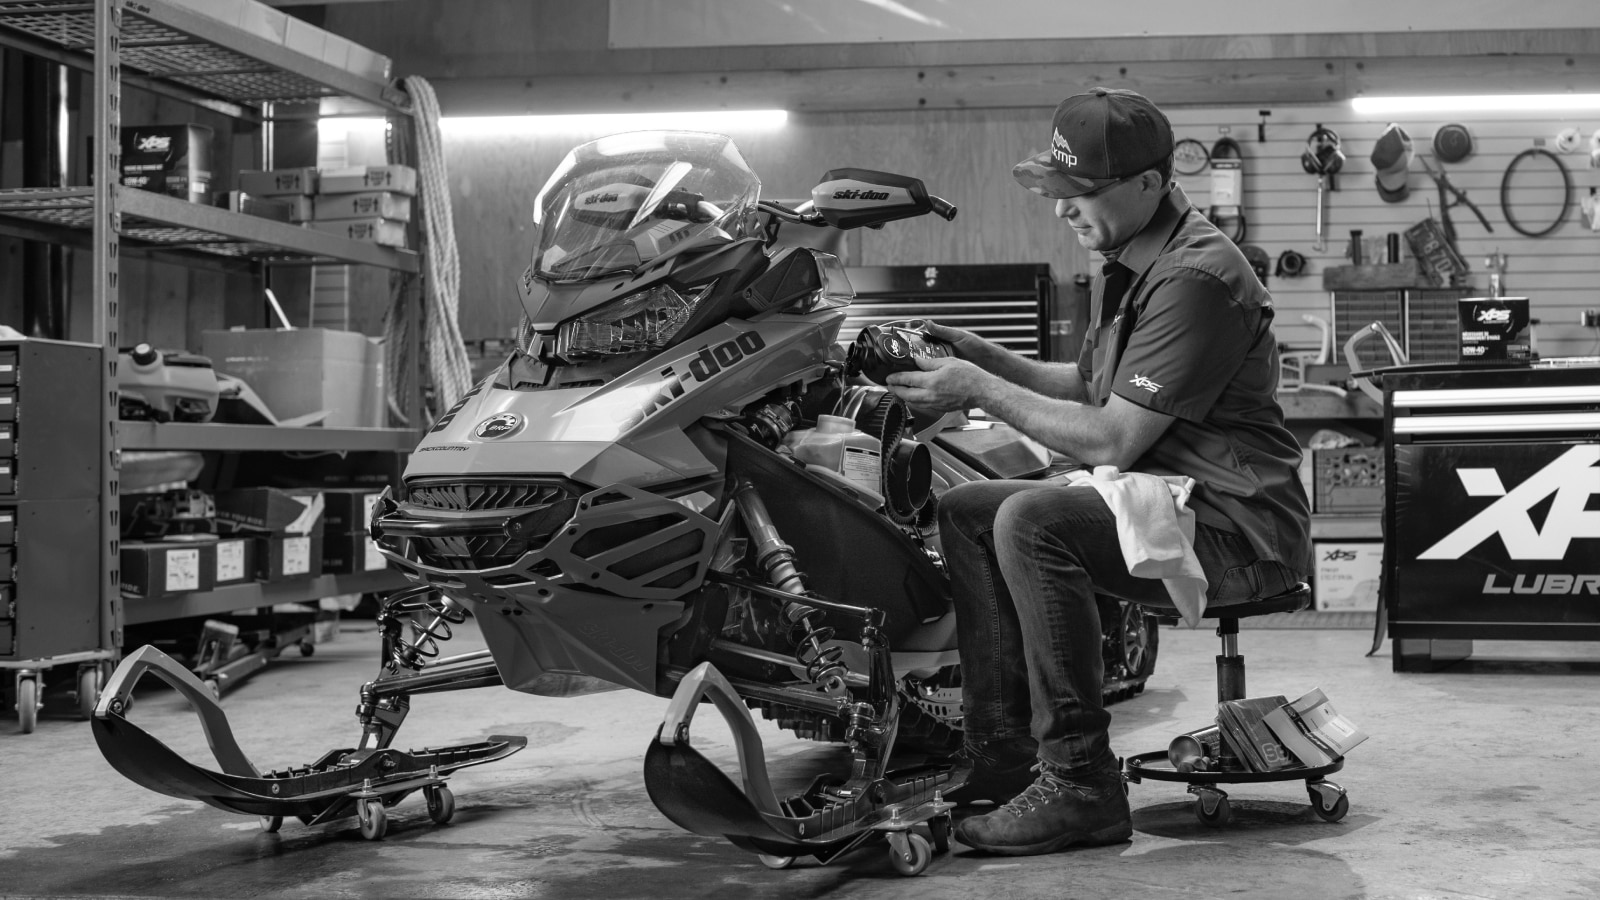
[(1322, 155)]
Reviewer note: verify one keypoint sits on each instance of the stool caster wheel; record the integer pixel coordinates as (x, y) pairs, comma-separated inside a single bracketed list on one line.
[(1328, 800), (773, 861), (271, 824), (441, 804), (1211, 805)]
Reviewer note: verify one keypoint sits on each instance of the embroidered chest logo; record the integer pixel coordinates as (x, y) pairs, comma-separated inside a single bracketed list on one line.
[(1143, 383)]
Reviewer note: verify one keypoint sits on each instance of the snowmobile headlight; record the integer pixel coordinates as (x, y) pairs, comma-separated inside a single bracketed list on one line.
[(646, 320)]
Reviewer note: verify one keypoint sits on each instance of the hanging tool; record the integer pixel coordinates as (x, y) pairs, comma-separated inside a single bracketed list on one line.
[(1446, 191), (1322, 158)]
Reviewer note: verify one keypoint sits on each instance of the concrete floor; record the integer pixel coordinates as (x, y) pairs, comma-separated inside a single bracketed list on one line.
[(1478, 782)]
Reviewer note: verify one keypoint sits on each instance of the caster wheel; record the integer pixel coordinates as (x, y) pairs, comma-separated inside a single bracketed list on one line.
[(1217, 816), (374, 819), (939, 830), (1333, 813), (89, 684), (775, 862), (441, 804), (271, 824), (215, 687), (28, 704), (911, 854), (307, 649)]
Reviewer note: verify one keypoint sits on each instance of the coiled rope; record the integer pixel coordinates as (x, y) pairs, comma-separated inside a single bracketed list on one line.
[(445, 352)]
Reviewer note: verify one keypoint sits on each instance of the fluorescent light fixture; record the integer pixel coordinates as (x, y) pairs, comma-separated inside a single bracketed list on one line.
[(1477, 103), (340, 127), (742, 120)]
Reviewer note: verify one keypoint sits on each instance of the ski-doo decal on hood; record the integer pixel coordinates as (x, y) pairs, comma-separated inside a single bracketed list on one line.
[(680, 378)]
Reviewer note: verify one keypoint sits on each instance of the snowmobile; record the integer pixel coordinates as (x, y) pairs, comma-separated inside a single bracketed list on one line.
[(682, 481)]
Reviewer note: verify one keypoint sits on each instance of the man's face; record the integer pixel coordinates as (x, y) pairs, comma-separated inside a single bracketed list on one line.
[(1107, 218)]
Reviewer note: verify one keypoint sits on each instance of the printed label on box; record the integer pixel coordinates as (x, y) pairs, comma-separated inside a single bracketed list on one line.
[(183, 570), (230, 561), (1347, 575), (296, 555), (374, 557)]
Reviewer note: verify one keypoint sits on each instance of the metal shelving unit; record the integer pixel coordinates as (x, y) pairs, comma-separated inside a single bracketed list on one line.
[(171, 49)]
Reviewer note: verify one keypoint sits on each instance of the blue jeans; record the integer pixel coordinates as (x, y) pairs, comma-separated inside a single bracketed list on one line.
[(1026, 560)]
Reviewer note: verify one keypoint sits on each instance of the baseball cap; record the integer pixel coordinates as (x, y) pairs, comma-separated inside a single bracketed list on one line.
[(1391, 157), (1097, 138)]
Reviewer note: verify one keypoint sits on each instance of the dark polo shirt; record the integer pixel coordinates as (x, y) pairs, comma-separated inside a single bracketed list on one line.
[(1191, 337)]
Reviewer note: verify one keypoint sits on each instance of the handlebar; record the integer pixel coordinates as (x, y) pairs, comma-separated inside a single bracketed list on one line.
[(942, 208)]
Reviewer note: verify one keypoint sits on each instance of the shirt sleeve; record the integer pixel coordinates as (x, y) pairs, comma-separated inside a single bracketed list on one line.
[(1189, 340)]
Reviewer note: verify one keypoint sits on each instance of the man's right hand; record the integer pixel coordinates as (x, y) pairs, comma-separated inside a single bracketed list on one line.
[(965, 344)]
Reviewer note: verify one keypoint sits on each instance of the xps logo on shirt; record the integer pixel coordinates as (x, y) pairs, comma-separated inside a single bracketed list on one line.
[(1139, 381)]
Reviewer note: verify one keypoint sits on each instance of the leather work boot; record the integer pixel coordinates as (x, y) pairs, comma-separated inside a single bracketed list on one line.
[(1001, 769), (1054, 813)]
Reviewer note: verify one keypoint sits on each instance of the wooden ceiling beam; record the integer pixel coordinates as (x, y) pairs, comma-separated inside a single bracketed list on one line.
[(1173, 83)]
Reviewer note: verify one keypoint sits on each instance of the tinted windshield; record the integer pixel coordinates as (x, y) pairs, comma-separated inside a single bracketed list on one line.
[(623, 201)]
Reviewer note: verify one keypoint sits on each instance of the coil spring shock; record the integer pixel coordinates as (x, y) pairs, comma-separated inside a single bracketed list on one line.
[(424, 642), (824, 665)]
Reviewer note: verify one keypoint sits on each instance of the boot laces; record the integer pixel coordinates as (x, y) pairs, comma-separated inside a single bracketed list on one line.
[(1049, 785)]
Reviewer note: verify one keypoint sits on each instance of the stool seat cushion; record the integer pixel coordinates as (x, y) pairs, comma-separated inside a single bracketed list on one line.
[(1265, 586)]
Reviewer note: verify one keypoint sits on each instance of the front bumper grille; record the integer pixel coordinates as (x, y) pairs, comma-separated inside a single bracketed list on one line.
[(498, 520)]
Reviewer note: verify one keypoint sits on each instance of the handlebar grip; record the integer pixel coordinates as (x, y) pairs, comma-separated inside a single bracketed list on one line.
[(942, 209)]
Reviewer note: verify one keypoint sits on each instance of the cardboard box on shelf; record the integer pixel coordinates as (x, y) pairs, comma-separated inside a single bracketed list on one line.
[(275, 182), (344, 553), (355, 179), (363, 205), (152, 569), (347, 510), (168, 159), (280, 557), (1346, 576), (274, 208), (371, 231), (236, 561), (306, 370), (270, 509)]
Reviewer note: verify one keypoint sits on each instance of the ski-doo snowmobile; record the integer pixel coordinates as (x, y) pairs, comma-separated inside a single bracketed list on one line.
[(683, 481)]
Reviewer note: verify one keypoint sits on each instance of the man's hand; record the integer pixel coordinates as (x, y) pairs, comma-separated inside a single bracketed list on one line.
[(965, 344), (940, 385)]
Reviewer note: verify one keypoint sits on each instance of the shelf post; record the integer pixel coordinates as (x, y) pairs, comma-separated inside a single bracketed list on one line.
[(107, 225)]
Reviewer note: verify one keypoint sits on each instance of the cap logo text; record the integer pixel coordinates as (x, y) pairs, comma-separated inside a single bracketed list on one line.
[(1062, 151)]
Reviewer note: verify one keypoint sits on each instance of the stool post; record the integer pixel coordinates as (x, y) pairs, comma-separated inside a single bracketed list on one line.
[(1230, 664)]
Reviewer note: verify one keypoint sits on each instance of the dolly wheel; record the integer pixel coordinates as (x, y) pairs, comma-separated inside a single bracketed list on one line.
[(909, 852), (271, 824), (373, 818), (1211, 807), (939, 829), (773, 861), (441, 804), (1328, 812), (307, 648), (89, 684), (27, 704)]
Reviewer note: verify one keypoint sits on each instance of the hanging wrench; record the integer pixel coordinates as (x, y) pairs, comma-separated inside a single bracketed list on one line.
[(1321, 243)]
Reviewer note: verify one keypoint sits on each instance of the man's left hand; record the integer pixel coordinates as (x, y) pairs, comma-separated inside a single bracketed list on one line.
[(942, 385)]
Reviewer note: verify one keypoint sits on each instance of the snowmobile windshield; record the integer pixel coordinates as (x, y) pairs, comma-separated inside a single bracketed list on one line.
[(627, 200)]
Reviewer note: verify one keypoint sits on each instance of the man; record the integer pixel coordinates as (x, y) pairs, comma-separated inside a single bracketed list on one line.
[(1177, 376)]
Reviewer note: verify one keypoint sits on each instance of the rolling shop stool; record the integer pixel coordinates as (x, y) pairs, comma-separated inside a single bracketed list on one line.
[(1328, 800)]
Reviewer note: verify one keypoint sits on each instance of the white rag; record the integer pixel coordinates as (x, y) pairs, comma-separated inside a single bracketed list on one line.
[(1155, 528)]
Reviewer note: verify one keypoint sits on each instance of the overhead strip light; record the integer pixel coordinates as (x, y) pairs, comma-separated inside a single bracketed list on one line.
[(743, 120), (1477, 103)]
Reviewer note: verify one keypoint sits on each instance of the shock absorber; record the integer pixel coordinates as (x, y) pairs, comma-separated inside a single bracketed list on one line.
[(423, 643), (823, 664)]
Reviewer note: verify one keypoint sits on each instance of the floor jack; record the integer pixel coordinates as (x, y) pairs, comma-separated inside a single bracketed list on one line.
[(343, 783)]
